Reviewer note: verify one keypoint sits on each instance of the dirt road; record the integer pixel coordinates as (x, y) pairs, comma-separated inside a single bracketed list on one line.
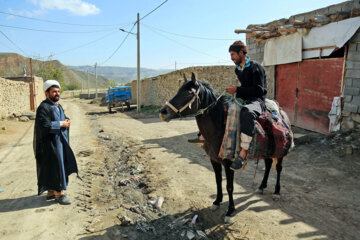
[(126, 160)]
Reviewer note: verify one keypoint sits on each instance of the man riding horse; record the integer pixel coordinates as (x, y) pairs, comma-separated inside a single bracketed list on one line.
[(253, 90)]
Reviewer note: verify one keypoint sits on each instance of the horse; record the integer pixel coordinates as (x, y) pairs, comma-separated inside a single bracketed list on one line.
[(195, 95)]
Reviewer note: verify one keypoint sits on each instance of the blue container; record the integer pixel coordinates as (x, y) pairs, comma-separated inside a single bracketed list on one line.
[(118, 94)]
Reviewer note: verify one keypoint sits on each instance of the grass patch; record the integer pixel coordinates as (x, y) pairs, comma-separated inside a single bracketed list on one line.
[(152, 109)]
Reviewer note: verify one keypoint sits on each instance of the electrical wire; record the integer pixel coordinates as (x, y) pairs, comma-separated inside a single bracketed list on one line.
[(63, 23), (153, 10), (13, 43), (188, 36), (52, 31), (183, 45), (127, 35), (86, 44)]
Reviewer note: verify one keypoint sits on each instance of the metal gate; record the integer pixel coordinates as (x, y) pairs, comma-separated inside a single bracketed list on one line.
[(306, 90)]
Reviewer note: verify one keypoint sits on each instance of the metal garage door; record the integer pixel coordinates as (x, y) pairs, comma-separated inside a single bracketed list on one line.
[(306, 90)]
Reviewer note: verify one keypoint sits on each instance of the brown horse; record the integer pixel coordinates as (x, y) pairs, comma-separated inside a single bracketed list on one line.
[(192, 96)]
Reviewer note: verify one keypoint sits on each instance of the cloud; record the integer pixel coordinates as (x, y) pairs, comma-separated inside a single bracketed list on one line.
[(25, 13), (76, 7)]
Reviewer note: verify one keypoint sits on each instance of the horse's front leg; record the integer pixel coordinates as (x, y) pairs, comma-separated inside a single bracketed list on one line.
[(276, 195), (218, 177), (263, 185), (230, 190)]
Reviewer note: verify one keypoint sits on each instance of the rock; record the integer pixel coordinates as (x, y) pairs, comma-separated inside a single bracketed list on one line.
[(126, 206), (3, 128), (349, 150), (125, 220), (190, 235), (348, 138), (100, 131), (158, 203), (201, 234), (23, 119)]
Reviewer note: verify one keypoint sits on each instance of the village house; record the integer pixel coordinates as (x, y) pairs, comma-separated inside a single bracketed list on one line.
[(313, 65)]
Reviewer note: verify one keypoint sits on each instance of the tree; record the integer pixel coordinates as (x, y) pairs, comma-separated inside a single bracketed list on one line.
[(112, 83), (50, 71)]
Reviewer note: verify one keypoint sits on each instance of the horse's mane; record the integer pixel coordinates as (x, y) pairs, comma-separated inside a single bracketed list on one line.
[(208, 95)]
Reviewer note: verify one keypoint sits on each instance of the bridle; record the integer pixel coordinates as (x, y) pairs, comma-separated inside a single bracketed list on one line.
[(195, 97)]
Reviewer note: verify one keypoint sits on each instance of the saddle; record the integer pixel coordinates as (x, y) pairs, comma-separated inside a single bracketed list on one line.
[(272, 139)]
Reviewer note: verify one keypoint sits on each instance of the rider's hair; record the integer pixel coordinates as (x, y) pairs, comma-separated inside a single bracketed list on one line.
[(238, 46)]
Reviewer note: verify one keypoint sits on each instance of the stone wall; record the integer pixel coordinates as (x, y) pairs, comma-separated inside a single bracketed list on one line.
[(38, 93), (157, 90), (351, 111), (15, 96)]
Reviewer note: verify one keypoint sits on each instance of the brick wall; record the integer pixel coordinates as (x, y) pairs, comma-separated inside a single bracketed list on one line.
[(351, 111), (157, 90)]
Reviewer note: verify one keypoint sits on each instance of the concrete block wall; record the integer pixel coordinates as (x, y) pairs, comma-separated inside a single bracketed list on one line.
[(351, 93), (158, 90), (256, 53)]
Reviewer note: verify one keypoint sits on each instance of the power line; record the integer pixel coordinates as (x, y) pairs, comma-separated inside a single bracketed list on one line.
[(13, 43), (55, 22), (152, 10), (188, 36), (183, 45), (86, 44), (52, 31), (127, 35)]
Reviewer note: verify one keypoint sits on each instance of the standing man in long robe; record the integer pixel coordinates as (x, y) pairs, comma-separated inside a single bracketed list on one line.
[(55, 160)]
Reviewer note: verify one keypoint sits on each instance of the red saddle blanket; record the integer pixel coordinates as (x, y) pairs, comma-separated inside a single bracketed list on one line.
[(272, 139)]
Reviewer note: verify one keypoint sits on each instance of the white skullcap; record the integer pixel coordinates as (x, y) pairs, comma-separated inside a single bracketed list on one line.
[(49, 83)]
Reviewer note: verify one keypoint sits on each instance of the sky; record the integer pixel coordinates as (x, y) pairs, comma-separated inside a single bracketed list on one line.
[(178, 34)]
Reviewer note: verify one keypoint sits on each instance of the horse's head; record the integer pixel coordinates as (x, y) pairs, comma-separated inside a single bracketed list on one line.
[(185, 102)]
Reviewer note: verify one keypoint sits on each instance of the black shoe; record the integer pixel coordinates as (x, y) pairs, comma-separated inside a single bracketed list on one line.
[(196, 141), (63, 200), (50, 197), (237, 164)]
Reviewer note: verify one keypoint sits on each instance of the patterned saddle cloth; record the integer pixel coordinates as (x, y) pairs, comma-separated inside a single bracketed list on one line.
[(273, 137)]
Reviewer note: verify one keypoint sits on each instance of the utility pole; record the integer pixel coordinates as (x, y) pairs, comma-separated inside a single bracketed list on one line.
[(175, 65), (88, 83), (31, 84), (96, 93), (138, 63)]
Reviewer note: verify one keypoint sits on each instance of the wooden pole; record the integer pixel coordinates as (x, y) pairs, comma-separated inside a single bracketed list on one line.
[(32, 103), (138, 64)]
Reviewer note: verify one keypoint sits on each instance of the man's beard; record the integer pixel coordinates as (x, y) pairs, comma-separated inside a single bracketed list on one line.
[(55, 98)]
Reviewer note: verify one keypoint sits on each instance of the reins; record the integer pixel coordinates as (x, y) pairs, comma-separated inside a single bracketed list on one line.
[(178, 111), (232, 97)]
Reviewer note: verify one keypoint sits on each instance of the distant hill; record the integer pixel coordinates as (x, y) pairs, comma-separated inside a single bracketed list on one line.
[(122, 75), (11, 64)]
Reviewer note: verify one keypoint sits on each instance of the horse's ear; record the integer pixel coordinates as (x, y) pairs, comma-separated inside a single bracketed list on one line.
[(185, 80), (193, 77)]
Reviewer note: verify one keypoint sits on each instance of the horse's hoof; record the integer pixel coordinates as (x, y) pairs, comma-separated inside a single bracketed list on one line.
[(229, 219), (260, 191), (214, 207), (276, 197)]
